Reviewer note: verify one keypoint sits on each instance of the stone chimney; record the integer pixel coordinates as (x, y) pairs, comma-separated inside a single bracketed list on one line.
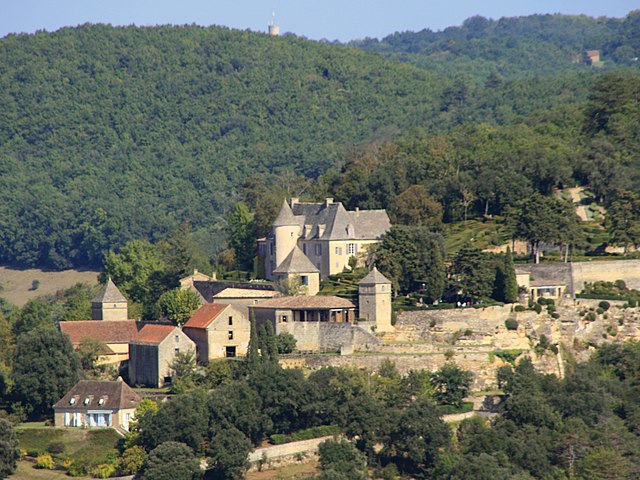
[(294, 201), (328, 201)]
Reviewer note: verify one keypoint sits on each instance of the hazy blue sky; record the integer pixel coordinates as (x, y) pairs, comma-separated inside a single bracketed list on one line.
[(316, 19)]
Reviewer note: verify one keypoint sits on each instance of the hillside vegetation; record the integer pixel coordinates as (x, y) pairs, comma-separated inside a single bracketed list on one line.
[(113, 134)]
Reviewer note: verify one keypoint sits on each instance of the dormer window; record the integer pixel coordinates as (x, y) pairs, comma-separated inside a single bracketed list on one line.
[(72, 401), (350, 231), (87, 401), (101, 401)]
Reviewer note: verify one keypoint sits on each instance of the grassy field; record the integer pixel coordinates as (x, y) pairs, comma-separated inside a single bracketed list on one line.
[(17, 284), (87, 448), (291, 472), (27, 472)]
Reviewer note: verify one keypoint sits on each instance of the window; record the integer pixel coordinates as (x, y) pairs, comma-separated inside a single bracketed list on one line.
[(230, 352), (304, 279), (271, 248), (177, 339), (230, 320), (338, 250), (318, 249), (304, 248), (351, 249), (230, 334), (177, 350), (283, 318)]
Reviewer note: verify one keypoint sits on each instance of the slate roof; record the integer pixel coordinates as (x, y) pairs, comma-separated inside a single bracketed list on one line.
[(211, 288), (305, 303), (109, 293), (153, 333), (114, 395), (205, 315), (245, 293), (296, 262), (335, 221), (374, 277), (102, 330)]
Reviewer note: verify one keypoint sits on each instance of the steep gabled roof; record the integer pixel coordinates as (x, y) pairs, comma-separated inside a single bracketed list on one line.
[(101, 395), (285, 217), (105, 331), (305, 303), (296, 262), (374, 277), (109, 293), (154, 333), (205, 315)]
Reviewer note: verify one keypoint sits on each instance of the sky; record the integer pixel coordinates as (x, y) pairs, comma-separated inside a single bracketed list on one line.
[(342, 20)]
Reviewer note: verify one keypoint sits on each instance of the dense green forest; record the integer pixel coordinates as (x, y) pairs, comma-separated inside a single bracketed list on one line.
[(515, 46), (114, 134)]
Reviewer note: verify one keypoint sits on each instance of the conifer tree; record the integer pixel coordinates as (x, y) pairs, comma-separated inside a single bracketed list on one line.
[(510, 281), (252, 359), (270, 344)]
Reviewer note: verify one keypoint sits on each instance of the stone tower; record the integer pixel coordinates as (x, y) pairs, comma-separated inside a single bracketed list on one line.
[(374, 300), (109, 304), (286, 230)]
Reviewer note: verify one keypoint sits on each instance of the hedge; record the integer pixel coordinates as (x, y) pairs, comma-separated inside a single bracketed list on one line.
[(309, 433)]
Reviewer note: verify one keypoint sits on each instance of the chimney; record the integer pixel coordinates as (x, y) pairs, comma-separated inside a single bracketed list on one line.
[(357, 212), (294, 201), (328, 201)]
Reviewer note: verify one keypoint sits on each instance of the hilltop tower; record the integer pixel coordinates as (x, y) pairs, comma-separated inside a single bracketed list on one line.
[(274, 28), (374, 300), (109, 304)]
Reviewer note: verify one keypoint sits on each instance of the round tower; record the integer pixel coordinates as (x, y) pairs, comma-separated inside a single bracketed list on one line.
[(286, 231)]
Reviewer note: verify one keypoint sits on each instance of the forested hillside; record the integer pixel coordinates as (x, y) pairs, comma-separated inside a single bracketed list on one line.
[(512, 47), (109, 134), (113, 134)]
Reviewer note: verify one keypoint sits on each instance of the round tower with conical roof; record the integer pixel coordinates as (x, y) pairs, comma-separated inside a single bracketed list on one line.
[(374, 300), (286, 230)]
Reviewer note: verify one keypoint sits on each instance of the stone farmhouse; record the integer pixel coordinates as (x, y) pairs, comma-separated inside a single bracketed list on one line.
[(219, 331), (325, 233), (92, 403), (152, 351)]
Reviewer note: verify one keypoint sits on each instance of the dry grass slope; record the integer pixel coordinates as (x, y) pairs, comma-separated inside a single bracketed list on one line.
[(17, 284)]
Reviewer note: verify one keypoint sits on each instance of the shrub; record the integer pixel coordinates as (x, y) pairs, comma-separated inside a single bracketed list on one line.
[(542, 301), (599, 311), (104, 470), (519, 308), (468, 332), (537, 307), (555, 315), (604, 305), (44, 461), (511, 324), (56, 448), (620, 285), (632, 302), (551, 309), (591, 317)]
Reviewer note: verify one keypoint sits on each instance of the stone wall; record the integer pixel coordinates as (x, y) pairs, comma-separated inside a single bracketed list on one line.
[(609, 271), (328, 337), (268, 458)]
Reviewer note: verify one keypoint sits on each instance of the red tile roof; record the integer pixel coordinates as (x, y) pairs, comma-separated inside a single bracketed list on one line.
[(153, 333), (102, 330), (206, 314)]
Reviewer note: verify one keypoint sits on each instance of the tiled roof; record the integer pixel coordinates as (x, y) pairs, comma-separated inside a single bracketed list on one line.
[(100, 395), (285, 217), (109, 293), (206, 314), (102, 330), (209, 289), (305, 303), (246, 293), (296, 262), (374, 277), (153, 333), (335, 221)]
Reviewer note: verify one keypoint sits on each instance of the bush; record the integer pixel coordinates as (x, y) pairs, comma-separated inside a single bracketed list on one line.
[(56, 448), (620, 285), (511, 324), (537, 307), (44, 461), (632, 302), (104, 470), (604, 305), (555, 315), (542, 301), (599, 311), (520, 308), (286, 343), (591, 317)]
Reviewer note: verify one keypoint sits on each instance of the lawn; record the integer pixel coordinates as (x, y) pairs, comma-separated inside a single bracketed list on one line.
[(27, 472), (87, 448)]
